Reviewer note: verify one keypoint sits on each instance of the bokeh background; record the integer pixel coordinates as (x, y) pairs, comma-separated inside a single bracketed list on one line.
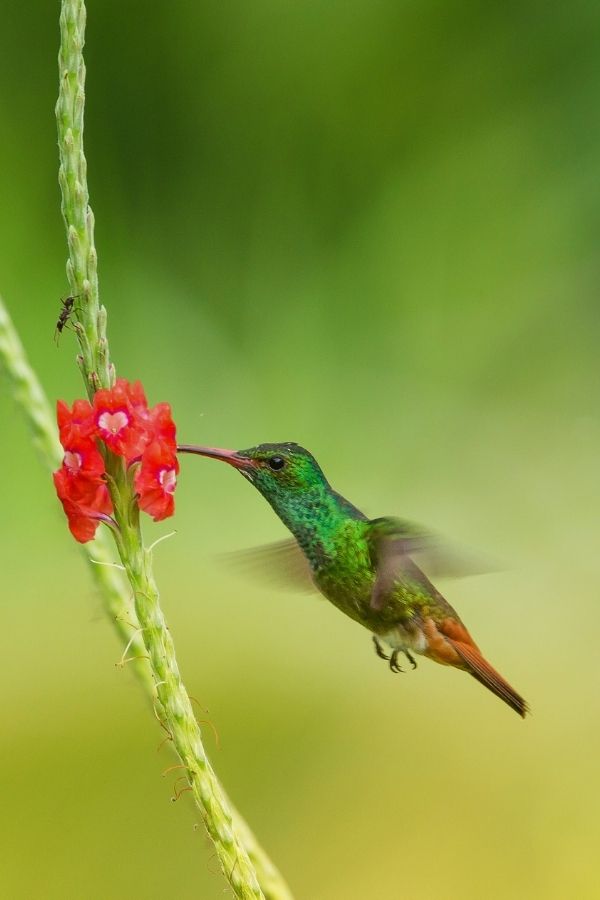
[(370, 227)]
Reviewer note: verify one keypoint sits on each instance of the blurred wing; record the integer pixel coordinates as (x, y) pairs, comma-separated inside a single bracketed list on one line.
[(442, 559), (280, 565), (393, 564), (401, 550)]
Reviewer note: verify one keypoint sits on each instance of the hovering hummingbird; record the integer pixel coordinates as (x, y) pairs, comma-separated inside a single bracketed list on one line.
[(363, 566)]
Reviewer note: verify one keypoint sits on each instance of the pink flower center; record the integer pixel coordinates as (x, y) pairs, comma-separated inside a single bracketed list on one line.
[(72, 461), (168, 479), (113, 422)]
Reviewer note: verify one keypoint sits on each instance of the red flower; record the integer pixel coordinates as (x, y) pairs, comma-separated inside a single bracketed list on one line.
[(156, 479), (163, 426), (75, 423), (118, 415), (135, 392), (82, 459), (86, 503), (79, 482)]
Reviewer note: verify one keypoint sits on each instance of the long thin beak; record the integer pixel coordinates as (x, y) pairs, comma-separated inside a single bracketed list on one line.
[(229, 456)]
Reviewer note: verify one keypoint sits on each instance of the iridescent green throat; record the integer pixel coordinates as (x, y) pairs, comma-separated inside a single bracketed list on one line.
[(306, 503)]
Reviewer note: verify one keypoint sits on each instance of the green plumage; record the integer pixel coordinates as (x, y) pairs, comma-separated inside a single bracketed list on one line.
[(339, 542), (365, 567)]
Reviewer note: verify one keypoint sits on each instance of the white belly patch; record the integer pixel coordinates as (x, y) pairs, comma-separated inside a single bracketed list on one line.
[(399, 638)]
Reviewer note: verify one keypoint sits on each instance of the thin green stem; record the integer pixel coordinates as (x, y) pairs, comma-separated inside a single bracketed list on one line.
[(34, 405), (110, 582), (82, 265), (172, 703)]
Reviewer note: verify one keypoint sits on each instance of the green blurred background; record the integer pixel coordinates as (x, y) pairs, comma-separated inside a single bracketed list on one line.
[(370, 227)]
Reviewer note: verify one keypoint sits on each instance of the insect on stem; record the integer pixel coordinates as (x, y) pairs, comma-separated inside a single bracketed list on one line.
[(65, 313)]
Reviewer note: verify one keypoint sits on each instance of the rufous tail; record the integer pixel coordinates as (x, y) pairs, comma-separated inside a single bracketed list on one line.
[(486, 675)]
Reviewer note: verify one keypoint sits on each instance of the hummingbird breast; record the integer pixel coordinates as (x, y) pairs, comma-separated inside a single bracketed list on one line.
[(405, 637), (344, 572)]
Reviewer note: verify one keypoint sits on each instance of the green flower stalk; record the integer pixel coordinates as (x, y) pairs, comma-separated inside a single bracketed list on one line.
[(113, 588), (110, 582), (248, 870), (82, 265), (34, 405)]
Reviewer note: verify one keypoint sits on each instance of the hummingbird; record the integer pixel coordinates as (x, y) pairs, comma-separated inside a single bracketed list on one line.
[(365, 567)]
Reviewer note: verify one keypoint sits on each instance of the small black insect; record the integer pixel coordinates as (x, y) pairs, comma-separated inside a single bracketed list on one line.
[(67, 309)]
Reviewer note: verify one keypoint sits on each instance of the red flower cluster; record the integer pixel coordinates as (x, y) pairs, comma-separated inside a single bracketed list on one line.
[(121, 419)]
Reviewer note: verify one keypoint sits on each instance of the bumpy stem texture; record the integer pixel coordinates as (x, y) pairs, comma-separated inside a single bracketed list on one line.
[(172, 703), (113, 589), (82, 265), (34, 405)]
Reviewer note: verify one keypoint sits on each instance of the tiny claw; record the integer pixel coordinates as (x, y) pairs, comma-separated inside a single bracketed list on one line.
[(410, 658), (394, 663), (379, 649)]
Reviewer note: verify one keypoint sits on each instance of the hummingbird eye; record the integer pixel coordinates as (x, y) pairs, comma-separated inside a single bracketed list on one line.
[(276, 462)]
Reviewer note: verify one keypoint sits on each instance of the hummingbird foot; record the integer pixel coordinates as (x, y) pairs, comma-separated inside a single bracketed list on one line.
[(393, 659), (410, 658), (394, 662), (379, 649)]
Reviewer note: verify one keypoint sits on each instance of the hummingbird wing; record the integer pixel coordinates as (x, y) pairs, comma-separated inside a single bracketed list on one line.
[(395, 542), (281, 565)]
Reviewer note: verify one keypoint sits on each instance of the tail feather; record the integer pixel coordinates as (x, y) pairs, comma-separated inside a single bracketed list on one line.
[(486, 675)]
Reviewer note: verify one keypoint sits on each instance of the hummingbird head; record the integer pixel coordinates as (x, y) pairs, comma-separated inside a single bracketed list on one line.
[(281, 472), (292, 482)]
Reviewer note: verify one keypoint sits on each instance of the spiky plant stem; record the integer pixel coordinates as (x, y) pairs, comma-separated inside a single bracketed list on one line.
[(33, 403), (113, 589), (172, 703)]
